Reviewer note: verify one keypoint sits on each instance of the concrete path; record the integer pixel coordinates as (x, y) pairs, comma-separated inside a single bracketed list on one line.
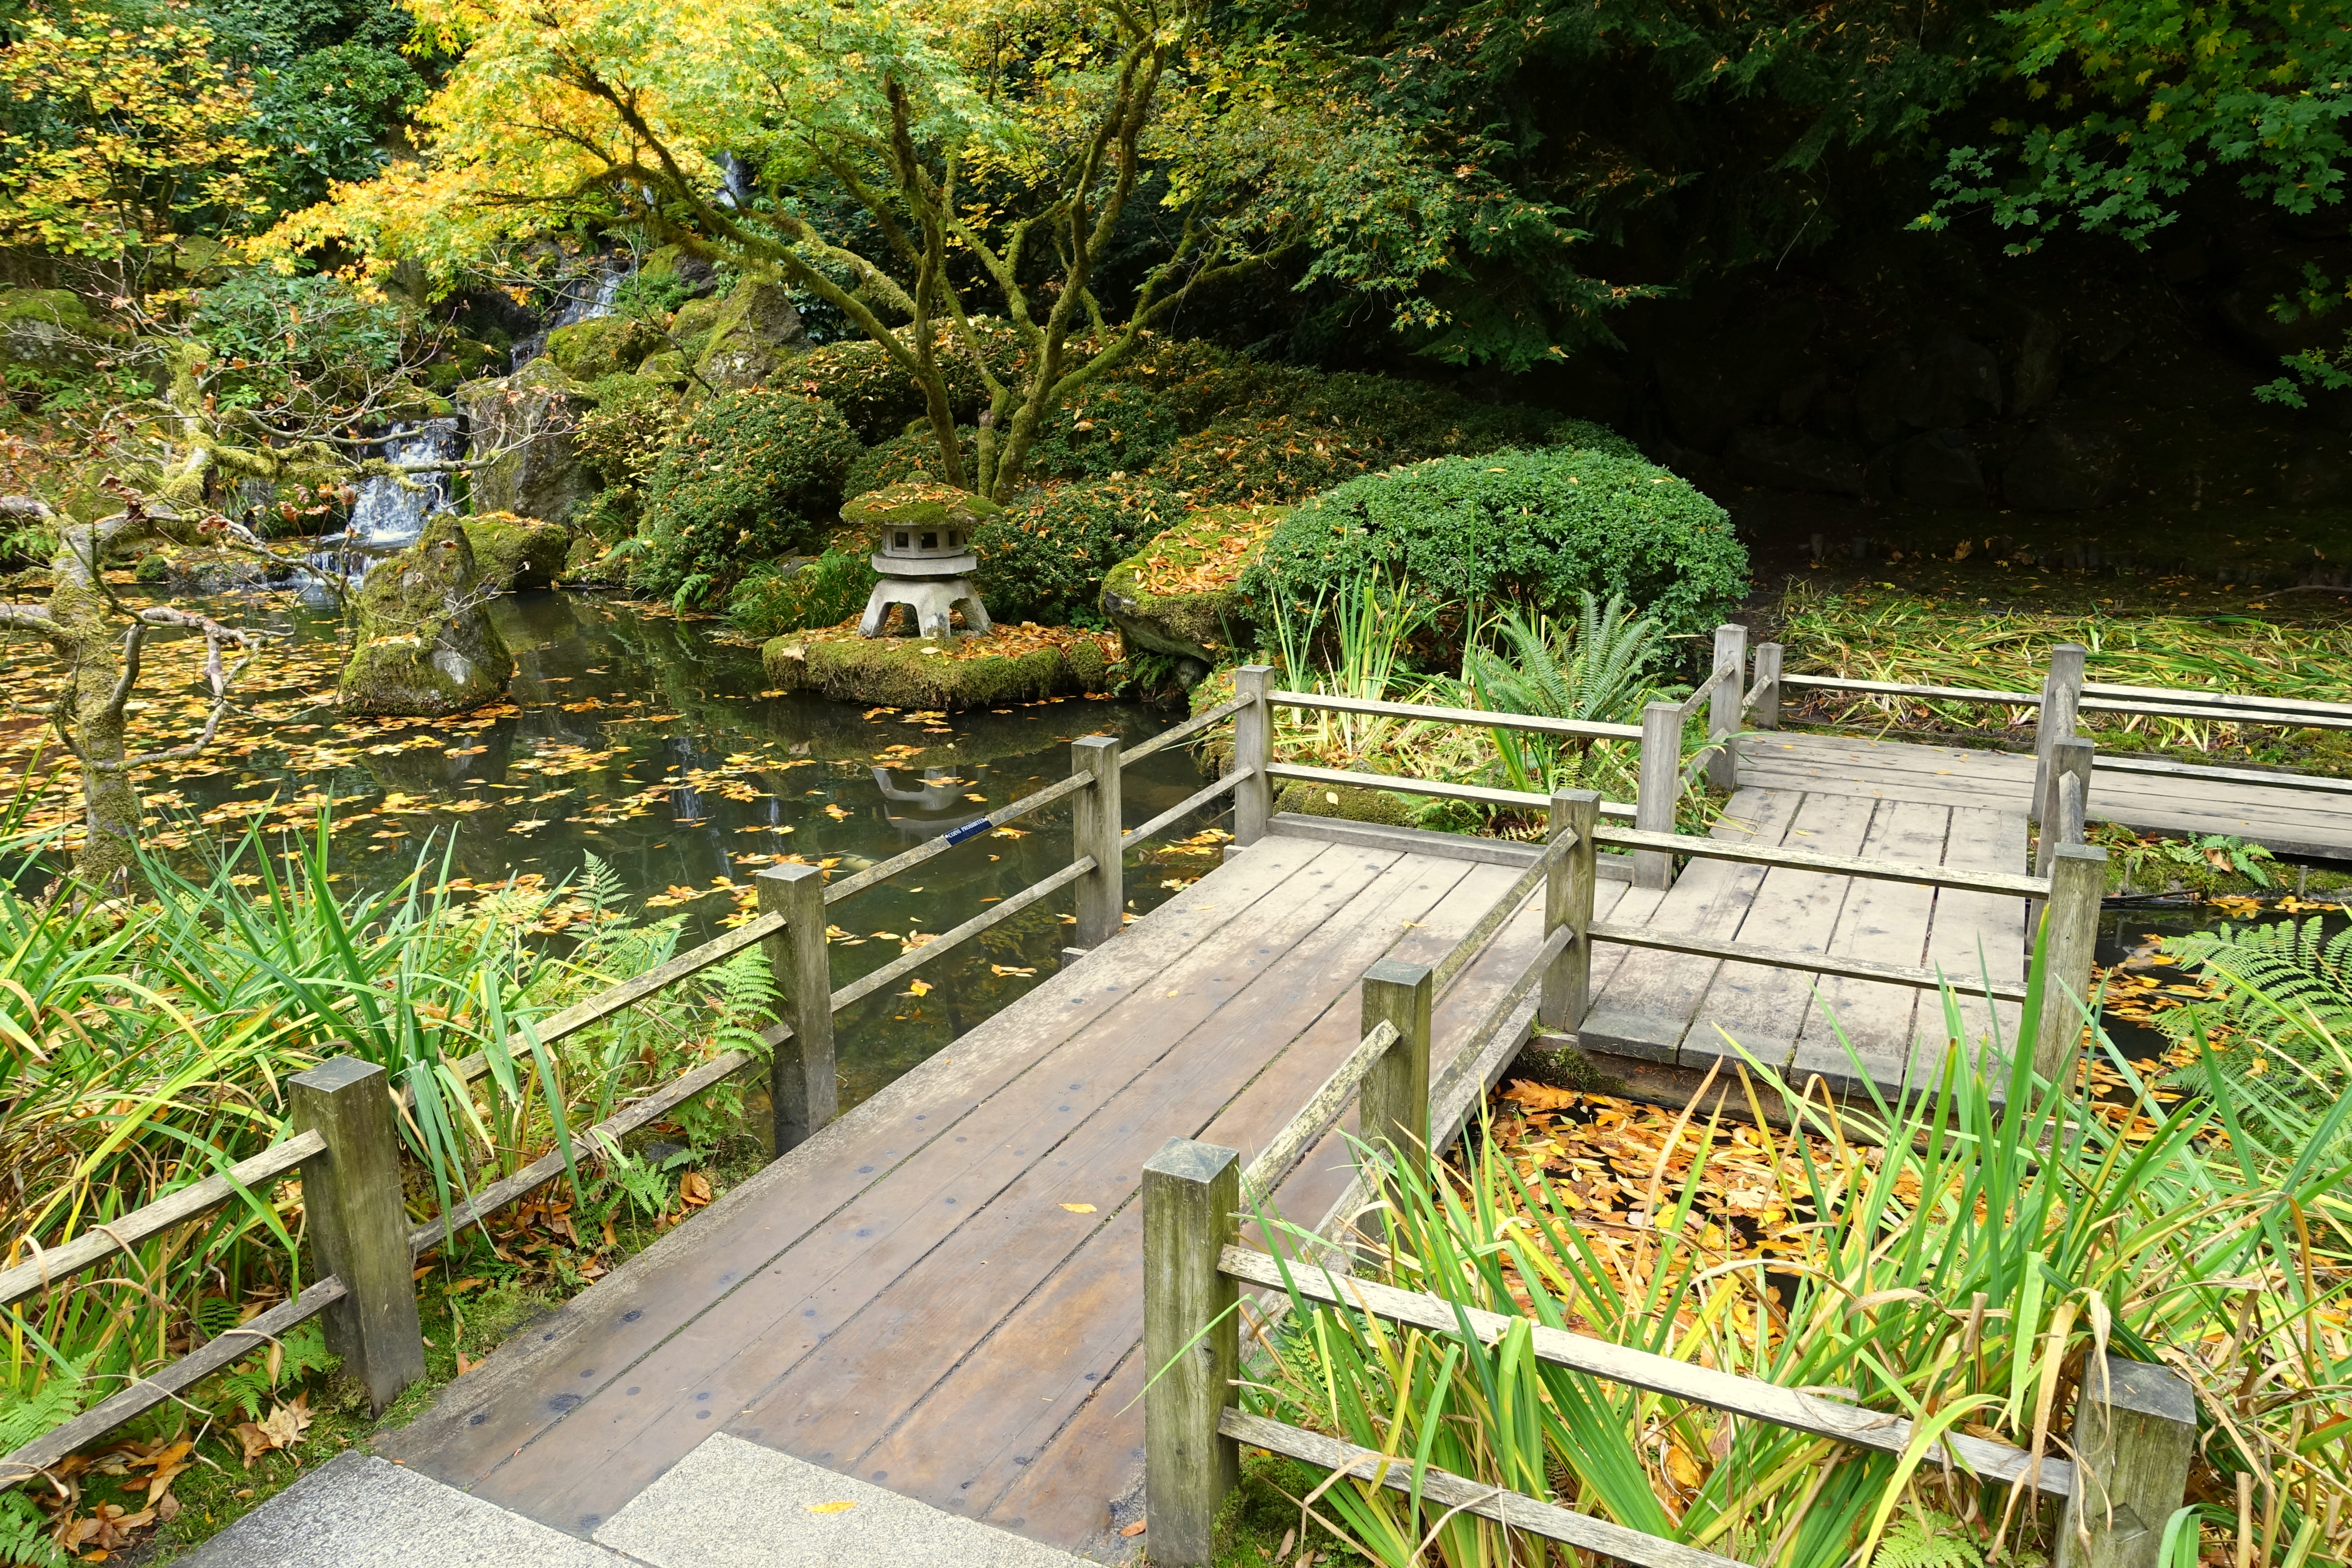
[(360, 1512), (728, 1504)]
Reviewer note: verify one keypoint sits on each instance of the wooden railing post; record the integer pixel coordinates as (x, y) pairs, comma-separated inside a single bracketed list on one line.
[(1569, 888), (1095, 821), (2061, 703), (1766, 714), (1393, 1105), (351, 1206), (801, 1084), (1254, 750), (2135, 1429), (1723, 707), (1192, 1346), (1660, 785), (2070, 933), (2070, 761)]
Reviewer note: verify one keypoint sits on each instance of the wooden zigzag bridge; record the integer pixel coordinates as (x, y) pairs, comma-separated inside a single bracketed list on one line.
[(956, 1291)]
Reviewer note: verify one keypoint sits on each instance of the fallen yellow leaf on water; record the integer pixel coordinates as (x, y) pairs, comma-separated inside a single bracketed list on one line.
[(916, 988), (1079, 1208), (831, 1507)]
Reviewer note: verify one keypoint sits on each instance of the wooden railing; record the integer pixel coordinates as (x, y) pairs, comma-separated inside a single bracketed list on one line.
[(2135, 1422), (345, 1144), (2132, 1429), (2066, 696)]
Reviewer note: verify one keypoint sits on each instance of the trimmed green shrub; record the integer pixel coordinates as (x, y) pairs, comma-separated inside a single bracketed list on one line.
[(822, 590), (1583, 434), (752, 476), (1110, 427), (1336, 428), (1044, 558), (1537, 526)]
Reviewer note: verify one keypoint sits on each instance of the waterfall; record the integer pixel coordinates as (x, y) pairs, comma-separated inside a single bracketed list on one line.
[(586, 296), (386, 516)]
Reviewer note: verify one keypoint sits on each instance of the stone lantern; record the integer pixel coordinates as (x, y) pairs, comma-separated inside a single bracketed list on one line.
[(923, 535)]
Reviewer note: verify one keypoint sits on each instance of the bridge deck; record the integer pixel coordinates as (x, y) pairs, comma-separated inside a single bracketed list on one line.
[(2288, 820), (1686, 1010), (916, 1296)]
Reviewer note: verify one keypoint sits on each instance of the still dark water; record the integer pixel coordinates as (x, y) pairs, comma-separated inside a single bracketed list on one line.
[(652, 745)]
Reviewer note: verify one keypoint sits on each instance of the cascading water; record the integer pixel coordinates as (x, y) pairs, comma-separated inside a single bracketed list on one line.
[(586, 297), (388, 515)]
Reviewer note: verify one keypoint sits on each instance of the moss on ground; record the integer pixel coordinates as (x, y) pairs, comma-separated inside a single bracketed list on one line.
[(914, 672), (1348, 803)]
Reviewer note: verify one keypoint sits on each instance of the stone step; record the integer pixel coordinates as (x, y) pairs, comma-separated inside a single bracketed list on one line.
[(361, 1512), (730, 1503)]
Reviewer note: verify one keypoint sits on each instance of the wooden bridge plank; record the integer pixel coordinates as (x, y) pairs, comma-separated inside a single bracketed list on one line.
[(892, 1325), (1885, 922), (1058, 1491), (1764, 1009), (919, 1328), (1651, 998), (532, 1380), (614, 1443), (1976, 936)]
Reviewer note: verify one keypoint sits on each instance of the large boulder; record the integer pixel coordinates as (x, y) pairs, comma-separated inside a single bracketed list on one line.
[(528, 424), (1789, 459), (755, 333), (1180, 594), (46, 329), (1939, 468), (600, 346), (424, 646), (513, 553), (2064, 467)]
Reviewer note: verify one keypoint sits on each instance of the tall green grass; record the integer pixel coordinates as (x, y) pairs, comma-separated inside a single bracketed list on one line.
[(1956, 1259), (146, 1046)]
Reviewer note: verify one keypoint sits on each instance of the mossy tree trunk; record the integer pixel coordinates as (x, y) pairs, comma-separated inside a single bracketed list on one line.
[(101, 641)]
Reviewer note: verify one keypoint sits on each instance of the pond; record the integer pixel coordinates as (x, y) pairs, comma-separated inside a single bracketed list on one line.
[(651, 742)]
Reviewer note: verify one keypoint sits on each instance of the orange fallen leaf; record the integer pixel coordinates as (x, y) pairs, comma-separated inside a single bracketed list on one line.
[(1133, 1530), (695, 1188)]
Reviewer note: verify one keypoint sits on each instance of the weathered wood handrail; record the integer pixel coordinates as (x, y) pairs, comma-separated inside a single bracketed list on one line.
[(1751, 854), (348, 1150), (1796, 1409), (1185, 807), (101, 1241), (1404, 783), (1811, 962), (1474, 718), (2160, 702)]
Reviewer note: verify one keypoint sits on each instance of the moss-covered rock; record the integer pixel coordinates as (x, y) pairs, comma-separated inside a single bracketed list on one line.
[(514, 552), (666, 368), (600, 346), (1349, 803), (1180, 594), (44, 328), (914, 672), (691, 328), (755, 333), (528, 424), (424, 646)]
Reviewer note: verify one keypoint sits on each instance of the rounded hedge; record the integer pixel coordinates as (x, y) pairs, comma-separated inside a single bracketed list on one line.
[(1537, 526), (752, 475), (903, 459), (878, 399), (1044, 558)]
